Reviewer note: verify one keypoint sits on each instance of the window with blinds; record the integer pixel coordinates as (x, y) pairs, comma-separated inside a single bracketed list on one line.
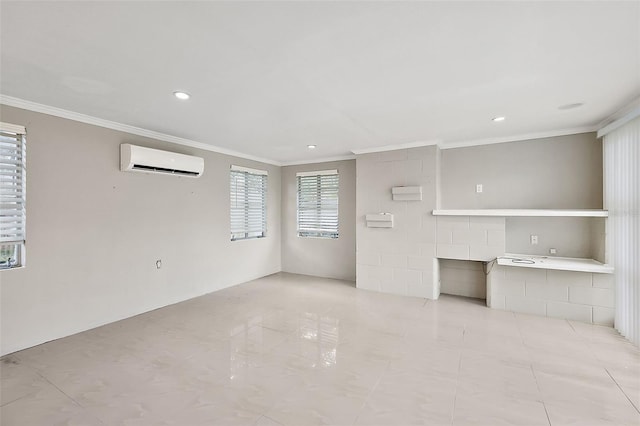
[(12, 195), (318, 204), (248, 203)]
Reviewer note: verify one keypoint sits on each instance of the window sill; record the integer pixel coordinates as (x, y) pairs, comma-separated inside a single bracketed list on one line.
[(248, 239), (12, 269), (317, 238)]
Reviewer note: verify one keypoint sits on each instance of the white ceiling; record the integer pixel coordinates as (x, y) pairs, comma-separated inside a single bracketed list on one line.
[(269, 78)]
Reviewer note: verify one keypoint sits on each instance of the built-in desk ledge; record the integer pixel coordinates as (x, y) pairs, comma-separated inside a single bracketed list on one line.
[(558, 263), (522, 212)]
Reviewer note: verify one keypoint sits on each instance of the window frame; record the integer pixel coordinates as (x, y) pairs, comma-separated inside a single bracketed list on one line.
[(323, 194), (254, 180), (13, 170)]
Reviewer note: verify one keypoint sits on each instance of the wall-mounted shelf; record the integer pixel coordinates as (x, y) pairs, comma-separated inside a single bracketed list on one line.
[(379, 220), (406, 193), (557, 263), (522, 213)]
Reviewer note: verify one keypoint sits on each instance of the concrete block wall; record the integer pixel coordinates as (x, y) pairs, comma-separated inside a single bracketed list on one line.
[(470, 237), (580, 296), (399, 260)]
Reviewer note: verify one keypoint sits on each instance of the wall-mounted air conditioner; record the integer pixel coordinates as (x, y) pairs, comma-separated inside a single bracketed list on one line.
[(135, 158)]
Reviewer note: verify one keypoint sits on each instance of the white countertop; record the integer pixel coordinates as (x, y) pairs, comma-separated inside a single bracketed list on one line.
[(523, 212), (557, 263)]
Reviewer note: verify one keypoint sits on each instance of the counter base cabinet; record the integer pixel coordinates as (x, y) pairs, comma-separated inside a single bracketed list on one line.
[(580, 296)]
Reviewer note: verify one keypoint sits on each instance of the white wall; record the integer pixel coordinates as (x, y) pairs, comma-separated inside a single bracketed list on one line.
[(570, 236), (563, 172), (398, 260), (94, 233), (331, 258)]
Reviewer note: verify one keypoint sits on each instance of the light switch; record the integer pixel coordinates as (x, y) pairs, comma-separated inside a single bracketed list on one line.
[(479, 188), (534, 239)]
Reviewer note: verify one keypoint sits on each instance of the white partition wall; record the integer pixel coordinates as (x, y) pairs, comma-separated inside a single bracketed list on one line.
[(622, 199), (395, 238)]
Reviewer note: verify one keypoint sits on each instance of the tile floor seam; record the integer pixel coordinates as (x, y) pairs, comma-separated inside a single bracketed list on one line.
[(622, 390), (60, 390), (455, 397), (257, 413), (283, 396), (268, 408), (24, 364), (544, 405), (14, 400), (264, 416), (522, 340), (375, 386)]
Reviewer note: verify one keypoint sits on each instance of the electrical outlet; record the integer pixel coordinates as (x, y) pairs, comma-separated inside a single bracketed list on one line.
[(534, 239), (552, 251), (478, 188)]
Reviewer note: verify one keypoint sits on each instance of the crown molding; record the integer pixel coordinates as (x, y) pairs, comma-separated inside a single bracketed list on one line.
[(87, 119), (476, 142), (395, 147), (620, 118), (319, 160), (517, 138), (616, 120)]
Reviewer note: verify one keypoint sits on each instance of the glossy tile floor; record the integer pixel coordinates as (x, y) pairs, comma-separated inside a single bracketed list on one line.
[(295, 350)]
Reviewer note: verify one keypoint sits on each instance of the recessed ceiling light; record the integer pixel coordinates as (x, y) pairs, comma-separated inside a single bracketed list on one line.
[(181, 95), (498, 118), (570, 106), (311, 146)]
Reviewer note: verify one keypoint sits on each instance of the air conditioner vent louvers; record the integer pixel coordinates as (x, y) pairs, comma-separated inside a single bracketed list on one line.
[(163, 170)]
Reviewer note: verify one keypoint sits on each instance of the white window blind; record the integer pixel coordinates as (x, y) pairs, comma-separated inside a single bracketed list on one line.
[(12, 195), (318, 204), (248, 203), (622, 199)]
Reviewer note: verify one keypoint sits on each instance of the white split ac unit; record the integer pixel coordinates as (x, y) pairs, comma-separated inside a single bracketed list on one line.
[(135, 158)]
